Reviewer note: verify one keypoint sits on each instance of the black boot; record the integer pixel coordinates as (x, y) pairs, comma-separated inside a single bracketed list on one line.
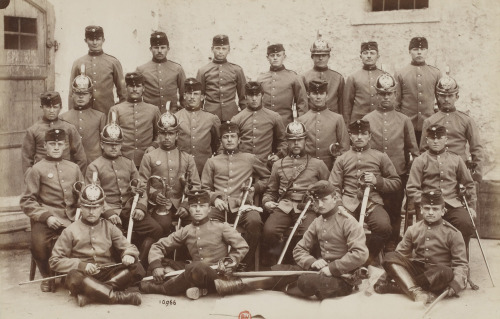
[(150, 287), (231, 287), (121, 280), (387, 287), (293, 290), (406, 282), (144, 251), (97, 291)]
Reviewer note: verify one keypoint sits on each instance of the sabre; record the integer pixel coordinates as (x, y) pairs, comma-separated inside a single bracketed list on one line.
[(61, 276), (407, 215), (364, 203), (187, 187), (240, 210), (134, 204), (438, 299)]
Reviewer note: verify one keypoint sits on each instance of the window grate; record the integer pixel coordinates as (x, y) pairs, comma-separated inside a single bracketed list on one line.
[(20, 33), (390, 5)]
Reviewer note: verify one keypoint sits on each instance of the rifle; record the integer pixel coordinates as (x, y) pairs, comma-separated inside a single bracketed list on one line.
[(133, 182), (61, 276)]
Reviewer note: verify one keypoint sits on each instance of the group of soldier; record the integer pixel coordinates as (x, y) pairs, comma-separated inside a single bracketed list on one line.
[(189, 166)]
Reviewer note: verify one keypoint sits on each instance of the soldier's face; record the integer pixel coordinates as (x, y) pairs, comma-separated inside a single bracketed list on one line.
[(167, 139), (276, 59), (111, 150), (321, 60), (193, 100), (386, 99), (447, 101), (55, 149), (254, 101), (159, 51), (418, 54), (221, 51), (360, 139), (81, 99), (317, 99), (436, 144), (95, 44), (432, 213), (199, 211), (91, 214), (296, 146), (51, 112), (135, 91), (369, 57), (230, 141), (325, 204)]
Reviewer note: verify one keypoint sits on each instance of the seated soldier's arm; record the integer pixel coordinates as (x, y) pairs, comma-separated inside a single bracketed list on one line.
[(239, 247), (459, 263), (60, 260), (302, 251)]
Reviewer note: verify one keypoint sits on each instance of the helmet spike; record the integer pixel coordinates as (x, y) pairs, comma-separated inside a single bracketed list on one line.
[(82, 69)]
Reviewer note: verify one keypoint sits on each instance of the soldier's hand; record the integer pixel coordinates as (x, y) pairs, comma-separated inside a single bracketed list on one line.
[(221, 205), (182, 212), (128, 260), (319, 264), (54, 222), (270, 205), (115, 219), (462, 191), (161, 199), (273, 158), (91, 269), (325, 271), (369, 178), (138, 214), (158, 274)]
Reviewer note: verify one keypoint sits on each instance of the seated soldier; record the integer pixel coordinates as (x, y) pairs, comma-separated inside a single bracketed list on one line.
[(206, 241), (48, 199), (85, 252), (430, 258), (119, 178)]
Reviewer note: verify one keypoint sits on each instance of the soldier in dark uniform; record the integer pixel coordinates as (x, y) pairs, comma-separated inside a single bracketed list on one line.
[(430, 258), (262, 132), (290, 178), (87, 246), (116, 175), (171, 165), (105, 71), (198, 129), (48, 199), (416, 84), (282, 87), (359, 91), (163, 79), (88, 122), (393, 134), (439, 170), (137, 119), (327, 135), (460, 127), (33, 148), (221, 81), (226, 176), (207, 241), (320, 54), (365, 165)]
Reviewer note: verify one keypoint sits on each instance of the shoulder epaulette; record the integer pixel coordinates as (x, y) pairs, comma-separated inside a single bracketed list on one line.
[(104, 53), (174, 62), (343, 212), (432, 66), (445, 223), (292, 71), (335, 72), (462, 112)]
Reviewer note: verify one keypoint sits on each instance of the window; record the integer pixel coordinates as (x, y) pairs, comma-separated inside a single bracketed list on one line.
[(20, 33), (389, 5)]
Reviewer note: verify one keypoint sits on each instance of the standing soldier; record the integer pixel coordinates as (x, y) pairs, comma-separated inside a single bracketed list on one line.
[(104, 70), (416, 85), (163, 79), (137, 119), (359, 166), (359, 92), (262, 132), (221, 81), (327, 135), (87, 121), (225, 177), (320, 54), (198, 129), (290, 178), (33, 149), (171, 165), (460, 128), (48, 199), (392, 134), (282, 87)]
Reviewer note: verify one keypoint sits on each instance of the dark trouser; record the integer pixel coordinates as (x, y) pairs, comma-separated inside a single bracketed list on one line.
[(251, 223), (393, 203), (379, 224), (196, 274), (418, 135), (460, 218), (43, 239), (165, 221), (274, 231), (434, 278)]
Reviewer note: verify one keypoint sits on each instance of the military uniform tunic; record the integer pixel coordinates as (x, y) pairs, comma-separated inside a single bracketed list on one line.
[(162, 81), (335, 88), (220, 82), (106, 72)]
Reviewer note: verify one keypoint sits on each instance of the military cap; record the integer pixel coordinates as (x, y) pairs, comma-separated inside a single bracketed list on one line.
[(432, 198), (92, 195), (253, 88), (369, 45), (320, 46), (295, 131), (229, 127), (158, 38), (50, 98), (112, 134), (55, 135), (359, 126), (94, 32), (436, 131), (446, 85), (275, 48), (198, 197), (385, 83), (191, 85), (220, 39), (318, 86), (134, 79), (168, 122), (418, 42), (321, 189)]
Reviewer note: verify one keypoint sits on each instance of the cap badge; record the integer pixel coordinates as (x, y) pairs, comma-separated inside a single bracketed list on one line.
[(93, 30), (295, 128), (113, 131)]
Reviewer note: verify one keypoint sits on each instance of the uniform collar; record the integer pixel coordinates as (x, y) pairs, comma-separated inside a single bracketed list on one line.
[(90, 224), (361, 149), (236, 151), (417, 63), (201, 222), (302, 154), (254, 110), (439, 152), (437, 222), (219, 61), (134, 100), (163, 147), (81, 108), (448, 110), (191, 109), (276, 69), (51, 159), (106, 156), (331, 213), (369, 67), (49, 122), (155, 60), (320, 69), (385, 109), (317, 109), (94, 53)]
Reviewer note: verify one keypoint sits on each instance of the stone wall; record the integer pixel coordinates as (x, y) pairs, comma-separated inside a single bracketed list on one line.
[(462, 34)]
